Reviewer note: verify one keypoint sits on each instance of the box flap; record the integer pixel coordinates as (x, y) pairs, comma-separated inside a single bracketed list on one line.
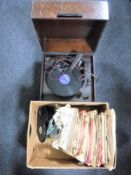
[(69, 26)]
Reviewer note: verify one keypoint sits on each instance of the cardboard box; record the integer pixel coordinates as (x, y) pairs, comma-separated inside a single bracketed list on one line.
[(42, 155)]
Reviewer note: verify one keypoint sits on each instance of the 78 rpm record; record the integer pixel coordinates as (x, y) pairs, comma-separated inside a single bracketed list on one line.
[(65, 84)]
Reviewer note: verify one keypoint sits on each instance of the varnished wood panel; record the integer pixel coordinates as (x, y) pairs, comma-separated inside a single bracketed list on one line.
[(88, 28), (89, 10), (67, 45)]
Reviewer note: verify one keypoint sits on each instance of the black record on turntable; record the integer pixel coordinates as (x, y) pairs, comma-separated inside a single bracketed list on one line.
[(66, 83)]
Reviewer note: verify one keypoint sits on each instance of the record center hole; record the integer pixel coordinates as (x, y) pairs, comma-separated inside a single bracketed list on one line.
[(40, 130)]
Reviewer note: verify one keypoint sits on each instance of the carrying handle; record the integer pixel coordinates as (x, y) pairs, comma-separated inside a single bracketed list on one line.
[(69, 15)]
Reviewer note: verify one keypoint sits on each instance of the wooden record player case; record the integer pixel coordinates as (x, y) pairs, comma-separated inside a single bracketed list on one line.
[(69, 27)]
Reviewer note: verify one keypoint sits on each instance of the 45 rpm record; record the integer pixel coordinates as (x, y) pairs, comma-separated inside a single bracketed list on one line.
[(66, 84)]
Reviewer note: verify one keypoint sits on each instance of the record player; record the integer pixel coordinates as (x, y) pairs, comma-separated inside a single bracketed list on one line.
[(68, 33)]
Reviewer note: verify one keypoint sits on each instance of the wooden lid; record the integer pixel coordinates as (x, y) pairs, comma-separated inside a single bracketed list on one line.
[(69, 26)]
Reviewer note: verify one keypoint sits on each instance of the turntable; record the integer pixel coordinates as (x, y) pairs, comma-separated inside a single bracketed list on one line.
[(68, 76)]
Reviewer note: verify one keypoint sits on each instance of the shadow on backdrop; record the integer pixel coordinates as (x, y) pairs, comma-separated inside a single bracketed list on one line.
[(26, 95), (121, 94)]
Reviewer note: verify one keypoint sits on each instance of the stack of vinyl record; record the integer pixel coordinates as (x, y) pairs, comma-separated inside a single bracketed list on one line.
[(88, 136)]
